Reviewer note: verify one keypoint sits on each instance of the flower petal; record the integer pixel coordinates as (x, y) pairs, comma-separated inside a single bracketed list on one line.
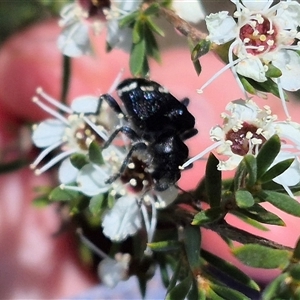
[(288, 62), (257, 5), (86, 104), (166, 197), (222, 28), (123, 220), (91, 179), (289, 15), (67, 173), (48, 132), (190, 11), (253, 68)]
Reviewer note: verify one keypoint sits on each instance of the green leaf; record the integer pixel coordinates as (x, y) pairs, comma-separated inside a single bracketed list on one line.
[(192, 243), (200, 49), (295, 271), (128, 20), (267, 154), (228, 293), (250, 163), (258, 256), (272, 290), (244, 199), (165, 245), (229, 269), (213, 181), (78, 160), (194, 293), (95, 154), (282, 201), (41, 201), (276, 170), (97, 204), (151, 45), (248, 220), (273, 72), (240, 176), (247, 85), (180, 291), (59, 194), (296, 254), (164, 273), (175, 276), (258, 213), (138, 31), (154, 27), (197, 66), (151, 9), (137, 58), (208, 216)]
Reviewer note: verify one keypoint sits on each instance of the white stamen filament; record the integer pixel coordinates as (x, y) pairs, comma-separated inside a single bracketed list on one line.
[(281, 95), (201, 154), (53, 101), (49, 110), (95, 128), (44, 154)]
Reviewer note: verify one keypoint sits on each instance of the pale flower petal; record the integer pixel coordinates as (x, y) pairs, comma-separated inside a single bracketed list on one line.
[(253, 68), (48, 132), (74, 41), (166, 197), (288, 62), (86, 104), (91, 180), (67, 173), (257, 5), (289, 15), (222, 28), (123, 220), (112, 271), (190, 11)]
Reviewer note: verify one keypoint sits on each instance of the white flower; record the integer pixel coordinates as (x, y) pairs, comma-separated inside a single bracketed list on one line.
[(76, 20), (262, 35), (112, 271), (246, 127), (71, 133)]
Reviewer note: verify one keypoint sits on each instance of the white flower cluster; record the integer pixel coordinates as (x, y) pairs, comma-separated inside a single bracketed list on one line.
[(79, 17), (262, 36)]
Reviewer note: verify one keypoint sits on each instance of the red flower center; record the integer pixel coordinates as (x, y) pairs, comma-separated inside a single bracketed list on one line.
[(240, 139), (258, 35)]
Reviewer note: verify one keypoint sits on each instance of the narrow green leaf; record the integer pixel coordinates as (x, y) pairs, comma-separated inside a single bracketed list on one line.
[(267, 154), (98, 204), (208, 216), (258, 256), (197, 66), (165, 245), (194, 293), (240, 176), (154, 27), (151, 45), (247, 85), (192, 243), (164, 273), (228, 293), (273, 72), (137, 57), (78, 160), (258, 213), (41, 201), (95, 154), (180, 291), (272, 290), (229, 269), (295, 271), (138, 31), (283, 202), (248, 220), (250, 163), (59, 194), (213, 181), (244, 199), (151, 9), (175, 276), (296, 254), (128, 20), (200, 49), (212, 295), (276, 170)]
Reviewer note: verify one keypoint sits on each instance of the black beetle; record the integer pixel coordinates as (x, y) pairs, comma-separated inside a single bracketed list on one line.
[(158, 124)]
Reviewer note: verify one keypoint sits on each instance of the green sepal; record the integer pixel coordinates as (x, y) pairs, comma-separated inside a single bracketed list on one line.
[(79, 160), (272, 290), (276, 170), (200, 49), (95, 154), (227, 293), (244, 199), (213, 182), (294, 271), (296, 253), (259, 256), (59, 194), (281, 201), (267, 154), (98, 204), (273, 72), (151, 9), (250, 163), (192, 243), (208, 216), (247, 85), (229, 270), (165, 246)]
